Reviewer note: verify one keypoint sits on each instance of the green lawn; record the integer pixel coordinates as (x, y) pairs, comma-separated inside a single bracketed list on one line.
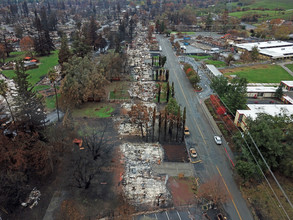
[(92, 110), (199, 57), (261, 73), (121, 94), (290, 66), (15, 56), (216, 63), (51, 102), (265, 14), (272, 4), (46, 63)]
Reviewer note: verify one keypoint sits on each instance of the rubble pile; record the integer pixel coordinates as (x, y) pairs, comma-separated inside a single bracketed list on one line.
[(126, 127), (146, 91), (140, 186)]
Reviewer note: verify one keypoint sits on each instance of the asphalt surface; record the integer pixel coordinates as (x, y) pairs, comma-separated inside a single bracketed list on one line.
[(215, 161)]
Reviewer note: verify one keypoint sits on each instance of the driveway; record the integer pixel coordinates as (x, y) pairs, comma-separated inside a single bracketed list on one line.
[(214, 159)]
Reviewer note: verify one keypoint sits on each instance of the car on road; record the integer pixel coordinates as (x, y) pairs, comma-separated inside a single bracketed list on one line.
[(218, 140), (186, 131), (193, 152)]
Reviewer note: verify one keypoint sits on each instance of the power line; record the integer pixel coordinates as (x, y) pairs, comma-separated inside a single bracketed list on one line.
[(280, 187)]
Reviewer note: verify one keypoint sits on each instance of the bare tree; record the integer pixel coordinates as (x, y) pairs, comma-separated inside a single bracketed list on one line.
[(96, 142), (84, 172), (214, 190), (140, 115)]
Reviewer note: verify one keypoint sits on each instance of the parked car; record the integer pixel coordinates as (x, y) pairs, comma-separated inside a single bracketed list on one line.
[(218, 140), (193, 152), (186, 131)]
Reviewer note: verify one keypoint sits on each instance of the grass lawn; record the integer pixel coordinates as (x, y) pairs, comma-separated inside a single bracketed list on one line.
[(121, 94), (15, 56), (46, 63), (41, 87), (163, 96), (216, 63), (199, 57), (260, 73), (271, 4), (290, 66), (265, 14), (93, 110), (51, 102)]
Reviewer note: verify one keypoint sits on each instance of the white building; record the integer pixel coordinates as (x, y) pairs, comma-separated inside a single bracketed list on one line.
[(270, 49), (255, 109)]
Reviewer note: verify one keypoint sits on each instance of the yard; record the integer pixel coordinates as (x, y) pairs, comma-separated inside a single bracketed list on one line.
[(216, 63), (260, 73), (93, 110), (46, 63), (290, 67)]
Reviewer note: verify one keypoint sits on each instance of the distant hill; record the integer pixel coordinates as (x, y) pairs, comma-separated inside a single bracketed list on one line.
[(271, 4)]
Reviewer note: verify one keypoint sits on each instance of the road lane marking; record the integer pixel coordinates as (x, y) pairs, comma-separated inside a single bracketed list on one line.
[(156, 216), (178, 215), (188, 104), (167, 215), (229, 193)]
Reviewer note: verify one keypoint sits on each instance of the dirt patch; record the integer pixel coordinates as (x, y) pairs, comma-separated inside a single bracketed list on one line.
[(175, 153), (182, 190), (239, 69)]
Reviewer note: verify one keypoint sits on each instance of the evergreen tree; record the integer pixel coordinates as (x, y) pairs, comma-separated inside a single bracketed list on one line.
[(44, 20), (64, 52), (90, 32), (25, 9), (79, 47), (29, 109)]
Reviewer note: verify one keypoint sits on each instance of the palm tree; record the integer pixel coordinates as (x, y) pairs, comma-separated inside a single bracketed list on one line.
[(52, 74), (3, 92)]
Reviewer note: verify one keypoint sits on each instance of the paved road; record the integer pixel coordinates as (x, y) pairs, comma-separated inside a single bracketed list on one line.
[(215, 161)]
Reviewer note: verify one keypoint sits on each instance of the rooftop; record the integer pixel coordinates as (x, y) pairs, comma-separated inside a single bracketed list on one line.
[(288, 83), (274, 110), (264, 45), (262, 89), (214, 70), (278, 52)]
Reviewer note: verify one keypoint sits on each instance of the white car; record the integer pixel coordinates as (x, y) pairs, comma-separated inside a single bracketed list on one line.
[(193, 152), (218, 140)]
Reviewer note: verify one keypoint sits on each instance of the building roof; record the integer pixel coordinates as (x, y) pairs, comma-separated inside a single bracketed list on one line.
[(261, 89), (270, 109), (278, 52), (288, 99), (264, 45), (288, 83), (214, 70)]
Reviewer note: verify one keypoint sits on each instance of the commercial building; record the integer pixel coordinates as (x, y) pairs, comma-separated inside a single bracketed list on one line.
[(270, 49), (255, 109)]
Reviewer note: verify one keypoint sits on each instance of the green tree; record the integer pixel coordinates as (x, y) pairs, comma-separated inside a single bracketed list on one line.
[(79, 47), (220, 85), (172, 107), (194, 80), (235, 98), (64, 52), (247, 170), (254, 53), (279, 92), (208, 22), (29, 108)]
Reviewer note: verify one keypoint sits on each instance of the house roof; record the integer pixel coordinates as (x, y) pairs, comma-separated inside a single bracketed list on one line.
[(261, 89), (270, 109)]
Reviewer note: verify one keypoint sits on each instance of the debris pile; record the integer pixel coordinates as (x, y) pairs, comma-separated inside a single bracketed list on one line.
[(33, 198), (146, 91), (140, 185), (125, 126)]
